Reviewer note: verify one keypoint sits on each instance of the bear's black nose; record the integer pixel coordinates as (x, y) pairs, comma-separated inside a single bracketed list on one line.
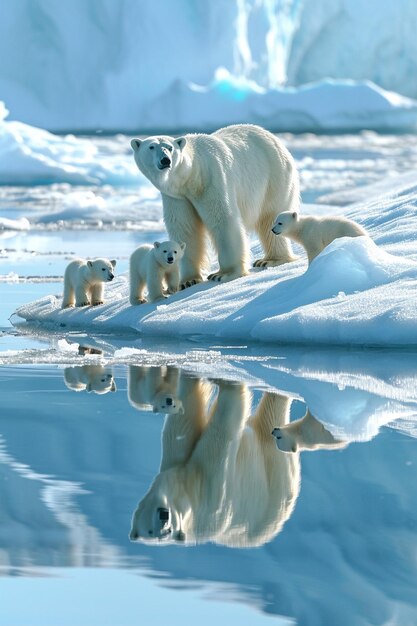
[(169, 401), (170, 259), (165, 161)]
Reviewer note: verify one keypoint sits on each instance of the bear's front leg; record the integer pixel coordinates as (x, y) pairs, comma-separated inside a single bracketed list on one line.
[(185, 225), (154, 281), (231, 243), (82, 295), (172, 279), (97, 294)]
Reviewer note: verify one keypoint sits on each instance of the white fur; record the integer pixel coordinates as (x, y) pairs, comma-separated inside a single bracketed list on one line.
[(224, 184), (95, 378), (156, 267), (155, 388), (315, 233), (84, 281), (306, 433), (221, 478)]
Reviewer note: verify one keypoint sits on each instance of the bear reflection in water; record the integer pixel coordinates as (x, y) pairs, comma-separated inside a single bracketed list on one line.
[(97, 378), (154, 389), (222, 477)]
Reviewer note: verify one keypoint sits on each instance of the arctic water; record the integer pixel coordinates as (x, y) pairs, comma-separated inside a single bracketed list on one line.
[(321, 531)]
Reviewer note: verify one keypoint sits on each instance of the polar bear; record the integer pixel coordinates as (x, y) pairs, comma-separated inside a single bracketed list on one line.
[(306, 433), (221, 477), (234, 180), (88, 378), (84, 281), (155, 388), (315, 233), (156, 267)]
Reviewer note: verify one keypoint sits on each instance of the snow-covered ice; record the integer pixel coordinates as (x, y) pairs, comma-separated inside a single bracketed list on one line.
[(357, 291)]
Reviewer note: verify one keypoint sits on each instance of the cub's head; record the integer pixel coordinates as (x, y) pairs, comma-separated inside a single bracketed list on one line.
[(284, 222), (167, 403), (101, 270), (100, 380), (157, 157), (167, 253)]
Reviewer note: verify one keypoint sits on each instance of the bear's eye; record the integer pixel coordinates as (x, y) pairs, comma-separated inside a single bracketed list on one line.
[(151, 147), (165, 251), (103, 380), (175, 252), (150, 532), (169, 148), (103, 269), (279, 223)]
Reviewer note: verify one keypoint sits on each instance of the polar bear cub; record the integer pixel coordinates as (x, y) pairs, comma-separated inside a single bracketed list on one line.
[(315, 233), (84, 281), (155, 267)]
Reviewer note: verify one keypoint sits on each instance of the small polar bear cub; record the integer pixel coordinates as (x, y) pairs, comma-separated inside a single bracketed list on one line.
[(156, 267), (84, 281), (315, 233)]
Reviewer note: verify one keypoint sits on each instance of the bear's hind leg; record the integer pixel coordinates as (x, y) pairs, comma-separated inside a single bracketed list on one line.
[(277, 248), (68, 298), (137, 288)]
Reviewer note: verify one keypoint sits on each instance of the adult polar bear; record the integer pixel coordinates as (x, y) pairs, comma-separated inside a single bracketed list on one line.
[(238, 178)]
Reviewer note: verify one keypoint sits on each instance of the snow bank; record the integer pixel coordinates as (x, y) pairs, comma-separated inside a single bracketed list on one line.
[(32, 156), (353, 293), (101, 75)]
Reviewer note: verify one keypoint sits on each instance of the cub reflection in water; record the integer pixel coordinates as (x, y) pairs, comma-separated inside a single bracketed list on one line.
[(221, 477), (154, 388), (97, 378), (306, 433)]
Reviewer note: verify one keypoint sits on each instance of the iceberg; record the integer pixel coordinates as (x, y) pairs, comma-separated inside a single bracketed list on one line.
[(84, 66)]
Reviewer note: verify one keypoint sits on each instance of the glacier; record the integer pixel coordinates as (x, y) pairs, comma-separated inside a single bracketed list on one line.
[(290, 65)]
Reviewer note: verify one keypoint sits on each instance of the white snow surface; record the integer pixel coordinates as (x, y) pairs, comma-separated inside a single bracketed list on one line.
[(30, 155), (141, 66), (358, 291)]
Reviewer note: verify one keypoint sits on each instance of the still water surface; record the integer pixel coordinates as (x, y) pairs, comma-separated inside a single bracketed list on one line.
[(131, 493)]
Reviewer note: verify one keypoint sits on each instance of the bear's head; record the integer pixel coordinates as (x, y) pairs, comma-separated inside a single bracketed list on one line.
[(161, 516), (101, 270), (157, 157), (285, 222), (167, 253), (96, 378)]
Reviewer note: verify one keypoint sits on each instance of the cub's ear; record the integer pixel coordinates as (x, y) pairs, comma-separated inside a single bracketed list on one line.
[(295, 215), (183, 246), (156, 244), (135, 143), (181, 141), (90, 263), (113, 263), (113, 386)]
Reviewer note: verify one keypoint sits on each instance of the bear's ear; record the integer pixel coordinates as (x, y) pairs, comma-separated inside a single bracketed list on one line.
[(181, 141), (89, 388), (90, 263), (295, 215), (113, 263), (183, 246), (135, 143), (113, 386), (156, 244)]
